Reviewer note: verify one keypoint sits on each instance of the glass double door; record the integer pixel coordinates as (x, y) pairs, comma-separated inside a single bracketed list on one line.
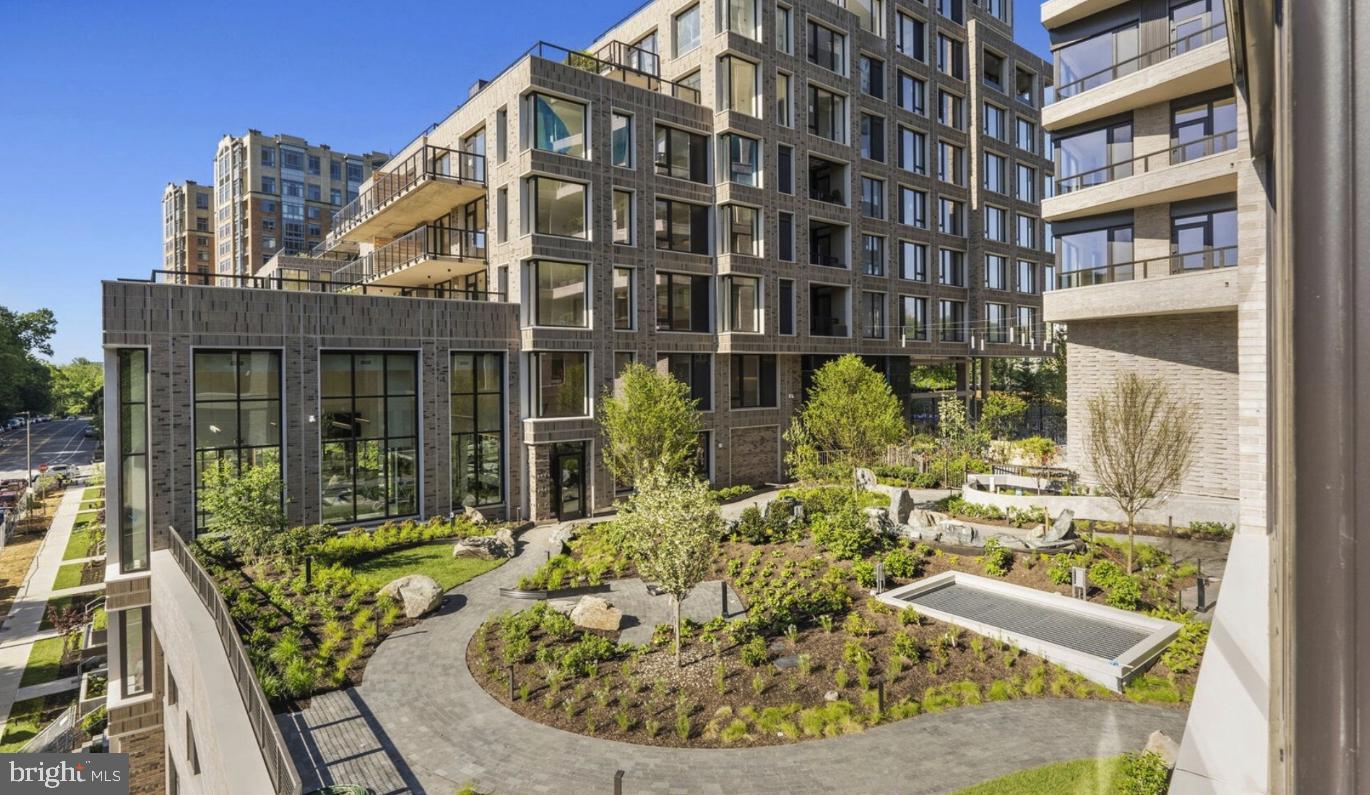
[(568, 480)]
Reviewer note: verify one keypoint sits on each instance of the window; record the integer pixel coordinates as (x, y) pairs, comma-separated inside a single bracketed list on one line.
[(992, 67), (743, 294), (951, 321), (827, 180), (681, 154), (872, 197), (682, 302), (996, 322), (689, 86), (913, 317), (996, 272), (870, 14), (1048, 276), (996, 224), (913, 94), (695, 371), (951, 217), (827, 244), (681, 226), (501, 134), (335, 196), (1092, 157), (995, 166), (913, 207), (477, 383), (135, 650), (740, 229), (1198, 129), (1095, 256), (738, 85), (621, 361), (558, 125), (237, 412), (951, 57), (753, 381), (913, 261), (1027, 231), (784, 29), (560, 293), (913, 150), (741, 155), (268, 184), (621, 139), (623, 299), (623, 217), (951, 267), (827, 114), (1027, 324), (502, 214), (268, 156), (873, 255), (951, 110), (1091, 62), (996, 122), (558, 207), (827, 48), (1027, 183), (786, 306), (741, 17), (785, 236), (1201, 240), (134, 530), (951, 165), (784, 100), (872, 137), (872, 76), (643, 57), (685, 28), (951, 9), (369, 435), (1025, 87), (873, 315), (1190, 19), (785, 168), (313, 193), (911, 37), (560, 384), (1026, 135), (354, 171), (1027, 277)]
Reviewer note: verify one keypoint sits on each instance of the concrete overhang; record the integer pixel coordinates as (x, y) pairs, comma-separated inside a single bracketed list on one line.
[(1193, 179), (431, 197), (1056, 13), (1200, 69), (1184, 293)]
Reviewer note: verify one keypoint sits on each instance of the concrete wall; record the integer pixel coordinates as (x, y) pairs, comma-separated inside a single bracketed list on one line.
[(1180, 508)]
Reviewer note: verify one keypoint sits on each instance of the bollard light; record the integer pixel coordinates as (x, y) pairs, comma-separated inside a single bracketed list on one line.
[(618, 782)]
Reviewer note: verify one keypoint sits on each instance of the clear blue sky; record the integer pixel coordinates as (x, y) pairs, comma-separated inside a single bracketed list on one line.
[(102, 103)]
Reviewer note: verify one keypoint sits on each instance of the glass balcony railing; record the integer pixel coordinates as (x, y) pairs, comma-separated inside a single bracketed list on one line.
[(1179, 44), (1171, 264), (1142, 164)]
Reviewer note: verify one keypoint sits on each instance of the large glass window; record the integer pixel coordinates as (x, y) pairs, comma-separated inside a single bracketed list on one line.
[(996, 122), (784, 29), (951, 217), (784, 100), (827, 114), (1092, 157), (682, 302), (996, 322), (134, 529), (1027, 183), (996, 272), (681, 226), (370, 435), (951, 57), (135, 650), (623, 299), (913, 94), (996, 224), (741, 231), (784, 156), (785, 236), (744, 304), (1202, 128), (1094, 257), (913, 261), (685, 26), (1027, 231), (951, 321), (237, 411), (913, 317), (951, 163), (951, 110), (742, 18), (681, 154), (995, 166), (913, 207), (753, 381), (873, 137), (477, 429), (872, 197), (560, 384), (951, 267), (558, 207), (742, 155), (872, 76), (737, 79), (911, 37), (873, 315), (786, 313), (694, 370), (1203, 240), (561, 291), (623, 217), (873, 255), (870, 14), (913, 150), (1097, 60), (621, 139), (827, 47), (1027, 276), (558, 125)]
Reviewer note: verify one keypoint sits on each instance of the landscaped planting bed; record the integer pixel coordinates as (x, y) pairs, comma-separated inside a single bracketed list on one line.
[(86, 536), (810, 656)]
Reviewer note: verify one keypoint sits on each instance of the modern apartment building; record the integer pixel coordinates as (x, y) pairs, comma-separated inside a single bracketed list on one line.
[(278, 193), (187, 229)]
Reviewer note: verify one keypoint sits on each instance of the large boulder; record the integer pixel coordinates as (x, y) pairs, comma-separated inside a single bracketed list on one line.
[(902, 506), (499, 545), (419, 594), (474, 516), (592, 612), (1162, 745), (878, 520), (865, 479)]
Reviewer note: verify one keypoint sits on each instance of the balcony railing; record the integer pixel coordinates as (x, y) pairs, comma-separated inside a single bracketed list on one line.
[(1176, 46), (620, 68), (279, 767), (633, 57), (426, 242), (1146, 163), (1179, 263), (321, 286), (429, 162), (827, 327), (1142, 164)]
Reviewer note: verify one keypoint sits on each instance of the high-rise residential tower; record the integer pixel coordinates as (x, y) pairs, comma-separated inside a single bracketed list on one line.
[(187, 229)]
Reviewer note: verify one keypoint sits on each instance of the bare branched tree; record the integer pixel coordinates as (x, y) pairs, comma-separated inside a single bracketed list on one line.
[(1141, 444)]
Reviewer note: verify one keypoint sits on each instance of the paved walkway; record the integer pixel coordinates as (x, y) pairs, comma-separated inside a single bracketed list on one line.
[(20, 628), (419, 723)]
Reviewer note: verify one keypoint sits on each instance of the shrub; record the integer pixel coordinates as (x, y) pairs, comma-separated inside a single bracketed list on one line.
[(998, 558), (844, 533), (857, 624), (864, 573), (909, 617), (1187, 649), (755, 653), (751, 526), (903, 563), (906, 646), (1142, 774), (734, 731), (830, 720), (1220, 529), (95, 722), (584, 658), (855, 654), (1126, 595), (731, 492), (298, 677)]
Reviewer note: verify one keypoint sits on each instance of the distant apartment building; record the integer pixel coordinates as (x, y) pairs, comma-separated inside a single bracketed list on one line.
[(278, 193), (187, 230)]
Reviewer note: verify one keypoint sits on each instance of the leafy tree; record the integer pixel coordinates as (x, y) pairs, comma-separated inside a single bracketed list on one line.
[(245, 506), (671, 527), (76, 386), (1002, 413), (1140, 444), (652, 423), (851, 416), (1041, 451), (957, 437), (25, 383)]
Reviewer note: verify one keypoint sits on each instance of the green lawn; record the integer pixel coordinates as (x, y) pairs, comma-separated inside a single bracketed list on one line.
[(93, 494), (82, 536), (69, 576), (29, 716), (1078, 777), (435, 560), (43, 662)]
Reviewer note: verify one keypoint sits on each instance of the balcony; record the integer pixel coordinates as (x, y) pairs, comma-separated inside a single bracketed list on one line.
[(427, 184), (1184, 171), (426, 255), (1196, 281), (1185, 65), (620, 62), (826, 180), (828, 311), (1056, 13)]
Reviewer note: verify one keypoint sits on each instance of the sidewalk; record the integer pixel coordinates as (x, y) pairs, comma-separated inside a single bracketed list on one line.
[(20, 628)]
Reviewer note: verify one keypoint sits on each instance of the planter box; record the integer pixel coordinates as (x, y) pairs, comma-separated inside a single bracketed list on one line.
[(88, 703)]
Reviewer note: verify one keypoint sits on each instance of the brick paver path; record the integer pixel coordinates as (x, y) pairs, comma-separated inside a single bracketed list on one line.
[(419, 723)]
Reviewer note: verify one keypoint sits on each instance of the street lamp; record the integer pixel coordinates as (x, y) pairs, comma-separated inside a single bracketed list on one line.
[(28, 448)]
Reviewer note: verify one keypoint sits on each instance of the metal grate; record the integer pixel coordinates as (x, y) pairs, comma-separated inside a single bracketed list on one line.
[(1061, 627)]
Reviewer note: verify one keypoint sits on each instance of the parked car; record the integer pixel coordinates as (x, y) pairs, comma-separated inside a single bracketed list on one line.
[(89, 432)]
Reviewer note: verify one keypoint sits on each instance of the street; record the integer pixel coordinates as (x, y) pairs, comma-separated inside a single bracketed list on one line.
[(56, 442)]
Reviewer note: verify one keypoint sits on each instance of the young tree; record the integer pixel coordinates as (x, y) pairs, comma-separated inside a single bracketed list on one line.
[(1140, 443), (1002, 413), (651, 423), (1041, 451), (245, 506), (671, 526), (851, 415), (956, 436)]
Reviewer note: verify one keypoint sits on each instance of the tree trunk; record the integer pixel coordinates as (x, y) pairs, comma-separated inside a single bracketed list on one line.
[(676, 600), (1130, 542)]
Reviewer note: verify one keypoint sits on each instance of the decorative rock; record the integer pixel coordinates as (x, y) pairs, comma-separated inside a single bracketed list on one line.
[(1159, 743), (499, 545), (865, 479), (831, 695), (592, 612), (786, 662), (563, 606), (878, 520), (563, 535), (418, 593), (903, 506), (474, 516)]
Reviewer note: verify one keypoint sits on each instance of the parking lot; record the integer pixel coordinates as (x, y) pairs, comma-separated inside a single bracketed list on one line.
[(55, 442)]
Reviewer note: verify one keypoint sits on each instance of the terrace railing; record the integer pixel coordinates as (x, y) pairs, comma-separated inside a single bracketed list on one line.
[(325, 286), (428, 162), (619, 65), (423, 243), (285, 779), (1143, 164), (1178, 45), (1171, 264)]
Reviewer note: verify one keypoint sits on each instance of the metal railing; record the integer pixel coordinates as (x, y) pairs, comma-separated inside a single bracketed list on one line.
[(279, 767), (58, 737), (426, 242), (1043, 473), (631, 56), (428, 163), (327, 286), (1143, 164), (1176, 46), (614, 70), (1177, 263), (827, 327)]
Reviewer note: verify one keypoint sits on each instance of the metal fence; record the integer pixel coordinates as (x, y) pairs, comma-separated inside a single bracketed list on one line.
[(58, 737)]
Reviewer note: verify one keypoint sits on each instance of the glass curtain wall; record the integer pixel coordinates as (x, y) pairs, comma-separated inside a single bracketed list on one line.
[(237, 413), (477, 429), (134, 531), (370, 435)]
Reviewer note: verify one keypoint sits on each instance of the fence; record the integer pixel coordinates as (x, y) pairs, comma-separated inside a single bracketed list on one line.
[(58, 737)]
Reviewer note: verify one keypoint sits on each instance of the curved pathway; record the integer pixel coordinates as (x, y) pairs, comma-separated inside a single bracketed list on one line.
[(420, 723)]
